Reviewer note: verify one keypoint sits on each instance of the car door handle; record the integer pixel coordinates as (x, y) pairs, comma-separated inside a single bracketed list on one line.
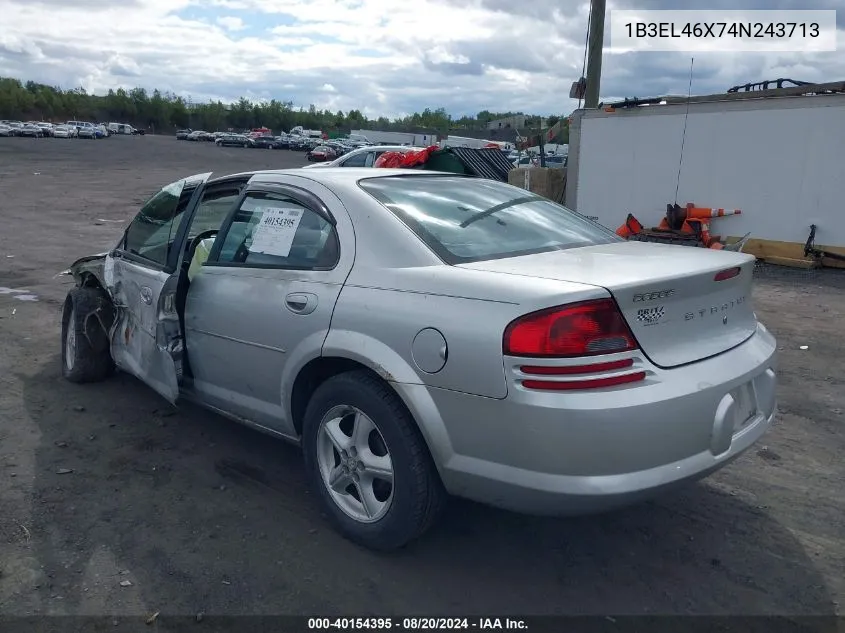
[(301, 302)]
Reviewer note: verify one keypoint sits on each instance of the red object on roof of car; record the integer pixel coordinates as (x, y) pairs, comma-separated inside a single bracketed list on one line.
[(411, 158)]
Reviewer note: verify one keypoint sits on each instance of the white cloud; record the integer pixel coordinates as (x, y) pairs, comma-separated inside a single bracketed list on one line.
[(230, 23), (379, 56)]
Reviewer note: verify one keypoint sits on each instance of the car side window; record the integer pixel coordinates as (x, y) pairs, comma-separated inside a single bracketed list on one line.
[(212, 210), (358, 160), (150, 235), (371, 158), (273, 230)]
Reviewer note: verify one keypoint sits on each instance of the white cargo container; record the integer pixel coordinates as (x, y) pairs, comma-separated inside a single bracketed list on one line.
[(474, 143), (779, 158), (396, 138)]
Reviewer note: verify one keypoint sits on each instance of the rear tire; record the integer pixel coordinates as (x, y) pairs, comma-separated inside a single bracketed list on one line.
[(397, 512), (82, 361)]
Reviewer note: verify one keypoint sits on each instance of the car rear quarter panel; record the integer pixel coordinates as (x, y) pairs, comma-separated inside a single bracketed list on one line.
[(380, 312)]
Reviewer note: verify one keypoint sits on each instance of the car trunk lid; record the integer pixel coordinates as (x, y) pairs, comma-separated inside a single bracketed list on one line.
[(678, 302)]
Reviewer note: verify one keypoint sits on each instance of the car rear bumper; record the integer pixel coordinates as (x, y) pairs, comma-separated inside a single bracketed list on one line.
[(580, 453)]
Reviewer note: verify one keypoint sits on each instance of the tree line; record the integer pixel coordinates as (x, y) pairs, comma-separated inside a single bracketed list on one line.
[(164, 112)]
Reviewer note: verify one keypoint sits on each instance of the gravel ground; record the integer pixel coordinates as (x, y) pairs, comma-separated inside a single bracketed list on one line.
[(200, 515)]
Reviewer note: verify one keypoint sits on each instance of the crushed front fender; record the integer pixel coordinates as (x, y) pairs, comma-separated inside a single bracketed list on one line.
[(90, 266)]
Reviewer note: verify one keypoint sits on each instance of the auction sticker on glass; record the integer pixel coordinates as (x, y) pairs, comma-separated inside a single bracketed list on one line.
[(733, 31), (275, 230)]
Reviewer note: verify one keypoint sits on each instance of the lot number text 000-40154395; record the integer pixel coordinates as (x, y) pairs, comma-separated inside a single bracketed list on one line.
[(418, 623), (723, 31)]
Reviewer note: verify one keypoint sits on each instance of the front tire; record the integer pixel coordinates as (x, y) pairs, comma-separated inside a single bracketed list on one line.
[(84, 359), (368, 462)]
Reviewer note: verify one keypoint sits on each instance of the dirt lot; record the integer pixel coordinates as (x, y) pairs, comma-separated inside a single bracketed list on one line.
[(201, 515)]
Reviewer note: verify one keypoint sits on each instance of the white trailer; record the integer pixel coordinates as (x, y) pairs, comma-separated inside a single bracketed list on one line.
[(776, 155), (396, 138), (300, 131), (475, 143), (463, 141)]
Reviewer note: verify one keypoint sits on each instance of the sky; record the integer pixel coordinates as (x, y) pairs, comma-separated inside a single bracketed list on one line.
[(383, 57)]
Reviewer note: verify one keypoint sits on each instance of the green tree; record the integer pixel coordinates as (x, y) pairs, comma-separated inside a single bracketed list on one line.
[(167, 111)]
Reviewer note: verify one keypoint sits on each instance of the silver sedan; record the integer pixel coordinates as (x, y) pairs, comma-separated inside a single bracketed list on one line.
[(361, 157), (420, 334)]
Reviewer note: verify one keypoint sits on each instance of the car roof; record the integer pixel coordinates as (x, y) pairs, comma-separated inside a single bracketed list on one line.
[(370, 148), (343, 176)]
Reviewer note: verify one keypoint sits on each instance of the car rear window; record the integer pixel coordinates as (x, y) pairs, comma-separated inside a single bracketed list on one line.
[(474, 219)]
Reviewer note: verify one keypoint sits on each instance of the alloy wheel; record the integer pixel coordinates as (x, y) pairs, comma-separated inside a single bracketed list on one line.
[(355, 464)]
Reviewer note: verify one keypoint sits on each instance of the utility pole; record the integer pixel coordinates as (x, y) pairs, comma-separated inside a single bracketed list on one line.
[(594, 50), (540, 144)]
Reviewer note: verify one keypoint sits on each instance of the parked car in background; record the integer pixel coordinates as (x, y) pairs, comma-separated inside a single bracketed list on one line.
[(182, 135), (556, 160), (80, 124), (86, 131), (284, 141), (198, 135), (266, 142), (361, 157), (299, 143), (321, 153), (15, 127), (124, 129), (340, 148), (46, 128), (101, 131), (527, 161), (65, 131), (28, 129), (6, 130), (520, 354), (234, 140)]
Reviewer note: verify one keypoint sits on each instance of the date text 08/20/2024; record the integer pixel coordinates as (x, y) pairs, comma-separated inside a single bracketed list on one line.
[(416, 624)]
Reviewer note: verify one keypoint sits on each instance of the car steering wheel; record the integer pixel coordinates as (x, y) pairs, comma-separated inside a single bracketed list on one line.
[(196, 242)]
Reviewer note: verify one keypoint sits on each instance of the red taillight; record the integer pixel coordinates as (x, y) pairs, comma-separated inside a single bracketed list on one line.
[(594, 383), (582, 381), (729, 273), (569, 370), (587, 328)]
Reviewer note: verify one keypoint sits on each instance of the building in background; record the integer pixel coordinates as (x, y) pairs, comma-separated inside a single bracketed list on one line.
[(517, 122)]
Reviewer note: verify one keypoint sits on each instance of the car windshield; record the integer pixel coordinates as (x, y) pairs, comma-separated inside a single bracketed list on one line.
[(467, 219)]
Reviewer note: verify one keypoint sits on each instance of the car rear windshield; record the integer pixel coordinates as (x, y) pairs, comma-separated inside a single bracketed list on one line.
[(474, 219)]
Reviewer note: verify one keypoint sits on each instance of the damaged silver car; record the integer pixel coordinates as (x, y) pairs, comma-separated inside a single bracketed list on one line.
[(419, 333)]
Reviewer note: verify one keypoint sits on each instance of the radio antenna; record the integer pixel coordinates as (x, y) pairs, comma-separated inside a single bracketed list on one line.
[(684, 135)]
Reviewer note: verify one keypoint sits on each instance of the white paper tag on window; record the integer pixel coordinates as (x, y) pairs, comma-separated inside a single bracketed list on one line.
[(273, 235)]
